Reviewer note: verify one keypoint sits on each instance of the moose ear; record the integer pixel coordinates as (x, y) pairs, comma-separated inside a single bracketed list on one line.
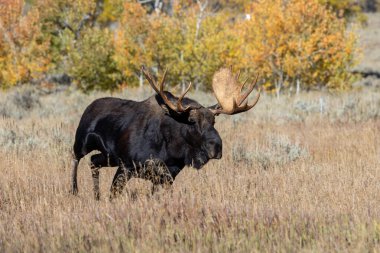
[(215, 109), (192, 116), (165, 109)]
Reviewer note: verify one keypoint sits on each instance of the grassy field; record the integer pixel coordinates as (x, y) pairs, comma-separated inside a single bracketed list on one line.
[(299, 173)]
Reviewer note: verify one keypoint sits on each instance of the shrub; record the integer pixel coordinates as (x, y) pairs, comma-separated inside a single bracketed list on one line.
[(20, 102), (279, 152), (92, 61)]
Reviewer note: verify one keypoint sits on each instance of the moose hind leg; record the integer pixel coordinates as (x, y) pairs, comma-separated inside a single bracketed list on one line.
[(95, 179), (98, 161)]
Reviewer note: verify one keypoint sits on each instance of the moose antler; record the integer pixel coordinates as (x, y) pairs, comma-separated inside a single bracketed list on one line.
[(228, 93), (178, 107)]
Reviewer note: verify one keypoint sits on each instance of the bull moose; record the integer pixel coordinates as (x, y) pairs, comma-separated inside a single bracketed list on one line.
[(171, 131)]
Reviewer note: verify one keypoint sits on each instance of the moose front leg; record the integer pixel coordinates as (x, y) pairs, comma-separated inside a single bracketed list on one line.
[(158, 173), (119, 181)]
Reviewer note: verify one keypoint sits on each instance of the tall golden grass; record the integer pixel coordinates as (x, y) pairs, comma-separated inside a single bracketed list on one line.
[(298, 174)]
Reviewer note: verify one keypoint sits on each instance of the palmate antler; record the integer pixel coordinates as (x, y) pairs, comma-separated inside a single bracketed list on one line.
[(178, 107), (228, 93)]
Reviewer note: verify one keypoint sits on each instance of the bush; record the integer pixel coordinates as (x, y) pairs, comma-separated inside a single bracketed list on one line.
[(279, 152), (92, 62), (20, 103)]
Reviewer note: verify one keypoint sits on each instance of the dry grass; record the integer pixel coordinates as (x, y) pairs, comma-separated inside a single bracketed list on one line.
[(294, 177)]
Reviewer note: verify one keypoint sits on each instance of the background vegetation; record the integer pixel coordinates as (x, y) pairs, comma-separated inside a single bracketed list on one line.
[(299, 173), (101, 44)]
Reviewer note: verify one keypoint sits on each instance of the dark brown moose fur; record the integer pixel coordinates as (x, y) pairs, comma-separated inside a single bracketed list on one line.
[(155, 138), (129, 133)]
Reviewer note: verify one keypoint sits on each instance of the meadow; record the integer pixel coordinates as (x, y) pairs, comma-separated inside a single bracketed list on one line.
[(298, 174)]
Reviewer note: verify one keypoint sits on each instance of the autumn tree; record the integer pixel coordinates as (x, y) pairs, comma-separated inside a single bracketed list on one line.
[(130, 42), (22, 46), (192, 43), (63, 21), (102, 44), (297, 41), (112, 10), (81, 44), (208, 41)]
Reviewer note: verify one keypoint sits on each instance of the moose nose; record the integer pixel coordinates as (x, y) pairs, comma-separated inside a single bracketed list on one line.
[(214, 150), (218, 149)]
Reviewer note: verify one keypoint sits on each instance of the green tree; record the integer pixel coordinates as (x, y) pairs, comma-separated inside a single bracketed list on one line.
[(112, 10), (92, 61), (81, 45)]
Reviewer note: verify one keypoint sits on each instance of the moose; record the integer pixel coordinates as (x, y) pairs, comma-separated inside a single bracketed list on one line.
[(164, 131)]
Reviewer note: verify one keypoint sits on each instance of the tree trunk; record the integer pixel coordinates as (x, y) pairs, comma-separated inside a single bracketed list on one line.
[(141, 79), (298, 89), (279, 85), (202, 9), (321, 105)]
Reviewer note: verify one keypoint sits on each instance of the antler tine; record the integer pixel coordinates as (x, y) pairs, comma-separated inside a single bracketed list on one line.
[(159, 91), (256, 99), (163, 95), (242, 86), (250, 89), (254, 102), (179, 102), (163, 81), (178, 107), (245, 107), (150, 79)]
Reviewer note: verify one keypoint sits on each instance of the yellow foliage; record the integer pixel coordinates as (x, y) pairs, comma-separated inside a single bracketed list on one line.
[(22, 49), (297, 40), (347, 8), (190, 46), (286, 41), (112, 11), (129, 41)]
